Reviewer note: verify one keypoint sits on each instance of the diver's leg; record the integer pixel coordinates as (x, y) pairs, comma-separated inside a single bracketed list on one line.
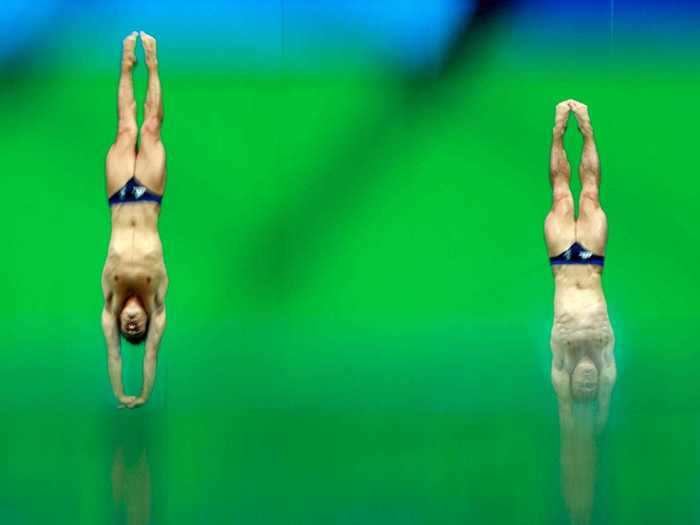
[(122, 154), (559, 226), (150, 162), (592, 224)]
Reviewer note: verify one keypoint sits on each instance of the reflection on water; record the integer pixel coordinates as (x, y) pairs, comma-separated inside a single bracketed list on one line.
[(578, 462), (131, 469), (582, 419)]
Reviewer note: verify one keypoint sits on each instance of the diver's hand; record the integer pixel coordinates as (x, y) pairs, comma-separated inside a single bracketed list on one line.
[(137, 402), (125, 401)]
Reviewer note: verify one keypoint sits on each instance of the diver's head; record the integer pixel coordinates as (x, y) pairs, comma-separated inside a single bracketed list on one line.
[(584, 380), (133, 321)]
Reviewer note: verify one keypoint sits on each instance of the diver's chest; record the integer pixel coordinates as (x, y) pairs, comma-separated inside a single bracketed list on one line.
[(582, 335), (129, 276)]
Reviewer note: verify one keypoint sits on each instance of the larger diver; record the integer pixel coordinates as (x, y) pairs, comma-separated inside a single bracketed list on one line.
[(134, 279), (582, 340)]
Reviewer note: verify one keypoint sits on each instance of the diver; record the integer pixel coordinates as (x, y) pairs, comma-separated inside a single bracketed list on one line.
[(134, 279), (582, 340)]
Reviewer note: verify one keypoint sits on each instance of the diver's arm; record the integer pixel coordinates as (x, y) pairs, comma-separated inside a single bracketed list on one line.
[(114, 356), (577, 449), (150, 357), (608, 376), (578, 466), (561, 382)]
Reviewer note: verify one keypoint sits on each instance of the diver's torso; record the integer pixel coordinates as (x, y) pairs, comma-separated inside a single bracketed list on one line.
[(135, 263), (581, 324)]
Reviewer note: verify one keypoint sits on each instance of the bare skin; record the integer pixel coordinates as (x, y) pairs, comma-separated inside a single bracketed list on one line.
[(582, 340), (134, 279), (583, 364)]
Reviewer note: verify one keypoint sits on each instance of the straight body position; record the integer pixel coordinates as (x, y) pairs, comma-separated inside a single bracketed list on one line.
[(582, 340), (134, 279)]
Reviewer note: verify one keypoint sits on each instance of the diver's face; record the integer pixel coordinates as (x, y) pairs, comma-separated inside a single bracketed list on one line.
[(584, 381), (133, 318)]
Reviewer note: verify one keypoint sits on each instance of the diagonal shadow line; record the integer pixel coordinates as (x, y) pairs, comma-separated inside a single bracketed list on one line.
[(281, 251)]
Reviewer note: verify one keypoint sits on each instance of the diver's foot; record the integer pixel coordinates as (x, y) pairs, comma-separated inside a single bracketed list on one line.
[(129, 51), (582, 117), (149, 47), (561, 117)]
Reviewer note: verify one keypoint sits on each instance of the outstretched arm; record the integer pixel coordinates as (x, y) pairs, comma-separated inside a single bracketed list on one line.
[(608, 376), (578, 465), (150, 357), (578, 452), (561, 381), (110, 329)]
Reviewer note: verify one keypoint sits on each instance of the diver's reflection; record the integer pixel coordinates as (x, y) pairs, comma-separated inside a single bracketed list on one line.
[(578, 462), (131, 470), (582, 341)]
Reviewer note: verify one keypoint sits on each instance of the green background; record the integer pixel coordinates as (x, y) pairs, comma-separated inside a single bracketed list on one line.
[(360, 300)]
